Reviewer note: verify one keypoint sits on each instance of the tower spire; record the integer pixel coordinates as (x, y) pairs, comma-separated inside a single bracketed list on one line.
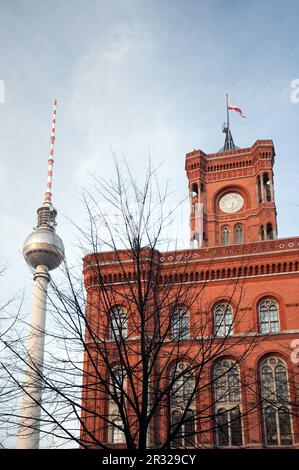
[(43, 250), (46, 213), (48, 194), (229, 141)]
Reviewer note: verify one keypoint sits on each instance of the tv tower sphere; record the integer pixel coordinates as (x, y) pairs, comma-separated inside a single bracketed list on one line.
[(43, 247)]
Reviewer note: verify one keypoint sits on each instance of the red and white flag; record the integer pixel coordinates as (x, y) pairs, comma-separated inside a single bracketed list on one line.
[(230, 105)]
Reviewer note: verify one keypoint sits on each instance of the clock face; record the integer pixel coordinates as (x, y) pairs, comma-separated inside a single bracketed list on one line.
[(231, 202)]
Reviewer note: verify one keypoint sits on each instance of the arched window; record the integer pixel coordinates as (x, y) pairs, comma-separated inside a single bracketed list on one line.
[(194, 191), (267, 189), (275, 399), (195, 240), (180, 323), (194, 197), (223, 320), (227, 399), (270, 234), (268, 316), (181, 384), (118, 323), (239, 234), (225, 235), (259, 190), (202, 194), (227, 381), (182, 392)]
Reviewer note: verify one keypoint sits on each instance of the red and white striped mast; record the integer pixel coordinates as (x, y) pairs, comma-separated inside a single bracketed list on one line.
[(48, 194), (43, 251)]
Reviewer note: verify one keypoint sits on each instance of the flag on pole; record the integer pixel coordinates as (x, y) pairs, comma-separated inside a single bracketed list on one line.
[(230, 105)]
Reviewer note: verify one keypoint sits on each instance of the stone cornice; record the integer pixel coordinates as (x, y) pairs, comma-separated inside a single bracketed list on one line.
[(268, 247), (231, 153)]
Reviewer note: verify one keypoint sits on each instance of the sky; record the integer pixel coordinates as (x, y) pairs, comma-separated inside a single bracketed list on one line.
[(139, 78)]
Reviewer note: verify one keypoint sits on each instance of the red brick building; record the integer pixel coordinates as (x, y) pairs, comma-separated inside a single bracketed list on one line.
[(251, 280)]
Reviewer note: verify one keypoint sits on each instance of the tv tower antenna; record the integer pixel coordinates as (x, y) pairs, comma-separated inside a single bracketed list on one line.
[(43, 250), (48, 194)]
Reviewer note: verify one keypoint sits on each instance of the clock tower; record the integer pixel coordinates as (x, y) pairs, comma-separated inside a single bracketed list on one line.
[(231, 195)]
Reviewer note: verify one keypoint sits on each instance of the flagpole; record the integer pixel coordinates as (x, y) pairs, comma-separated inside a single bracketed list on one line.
[(227, 112)]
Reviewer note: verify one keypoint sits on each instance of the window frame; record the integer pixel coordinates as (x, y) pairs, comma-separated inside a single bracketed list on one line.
[(269, 322), (178, 399), (118, 330), (225, 235), (230, 421), (181, 441), (119, 391), (275, 402), (222, 328), (116, 432), (239, 234), (227, 405), (180, 323)]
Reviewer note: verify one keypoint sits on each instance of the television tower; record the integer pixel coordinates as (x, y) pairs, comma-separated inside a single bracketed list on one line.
[(43, 250)]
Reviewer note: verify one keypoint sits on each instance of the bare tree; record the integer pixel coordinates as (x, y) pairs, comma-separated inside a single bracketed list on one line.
[(10, 315), (141, 361)]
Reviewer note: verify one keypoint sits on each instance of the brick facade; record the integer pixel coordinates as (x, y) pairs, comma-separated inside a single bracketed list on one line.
[(260, 266)]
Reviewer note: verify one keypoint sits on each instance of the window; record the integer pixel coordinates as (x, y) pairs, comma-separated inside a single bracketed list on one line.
[(117, 433), (195, 243), (194, 191), (268, 316), (117, 397), (229, 429), (227, 382), (176, 418), (225, 235), (239, 234), (270, 234), (259, 190), (184, 429), (223, 320), (118, 323), (182, 383), (189, 429), (227, 397), (182, 414), (180, 323), (222, 428), (118, 382), (235, 427), (267, 188), (274, 380), (275, 398)]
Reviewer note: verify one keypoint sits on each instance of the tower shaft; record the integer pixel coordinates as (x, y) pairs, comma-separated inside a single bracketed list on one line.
[(28, 435)]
